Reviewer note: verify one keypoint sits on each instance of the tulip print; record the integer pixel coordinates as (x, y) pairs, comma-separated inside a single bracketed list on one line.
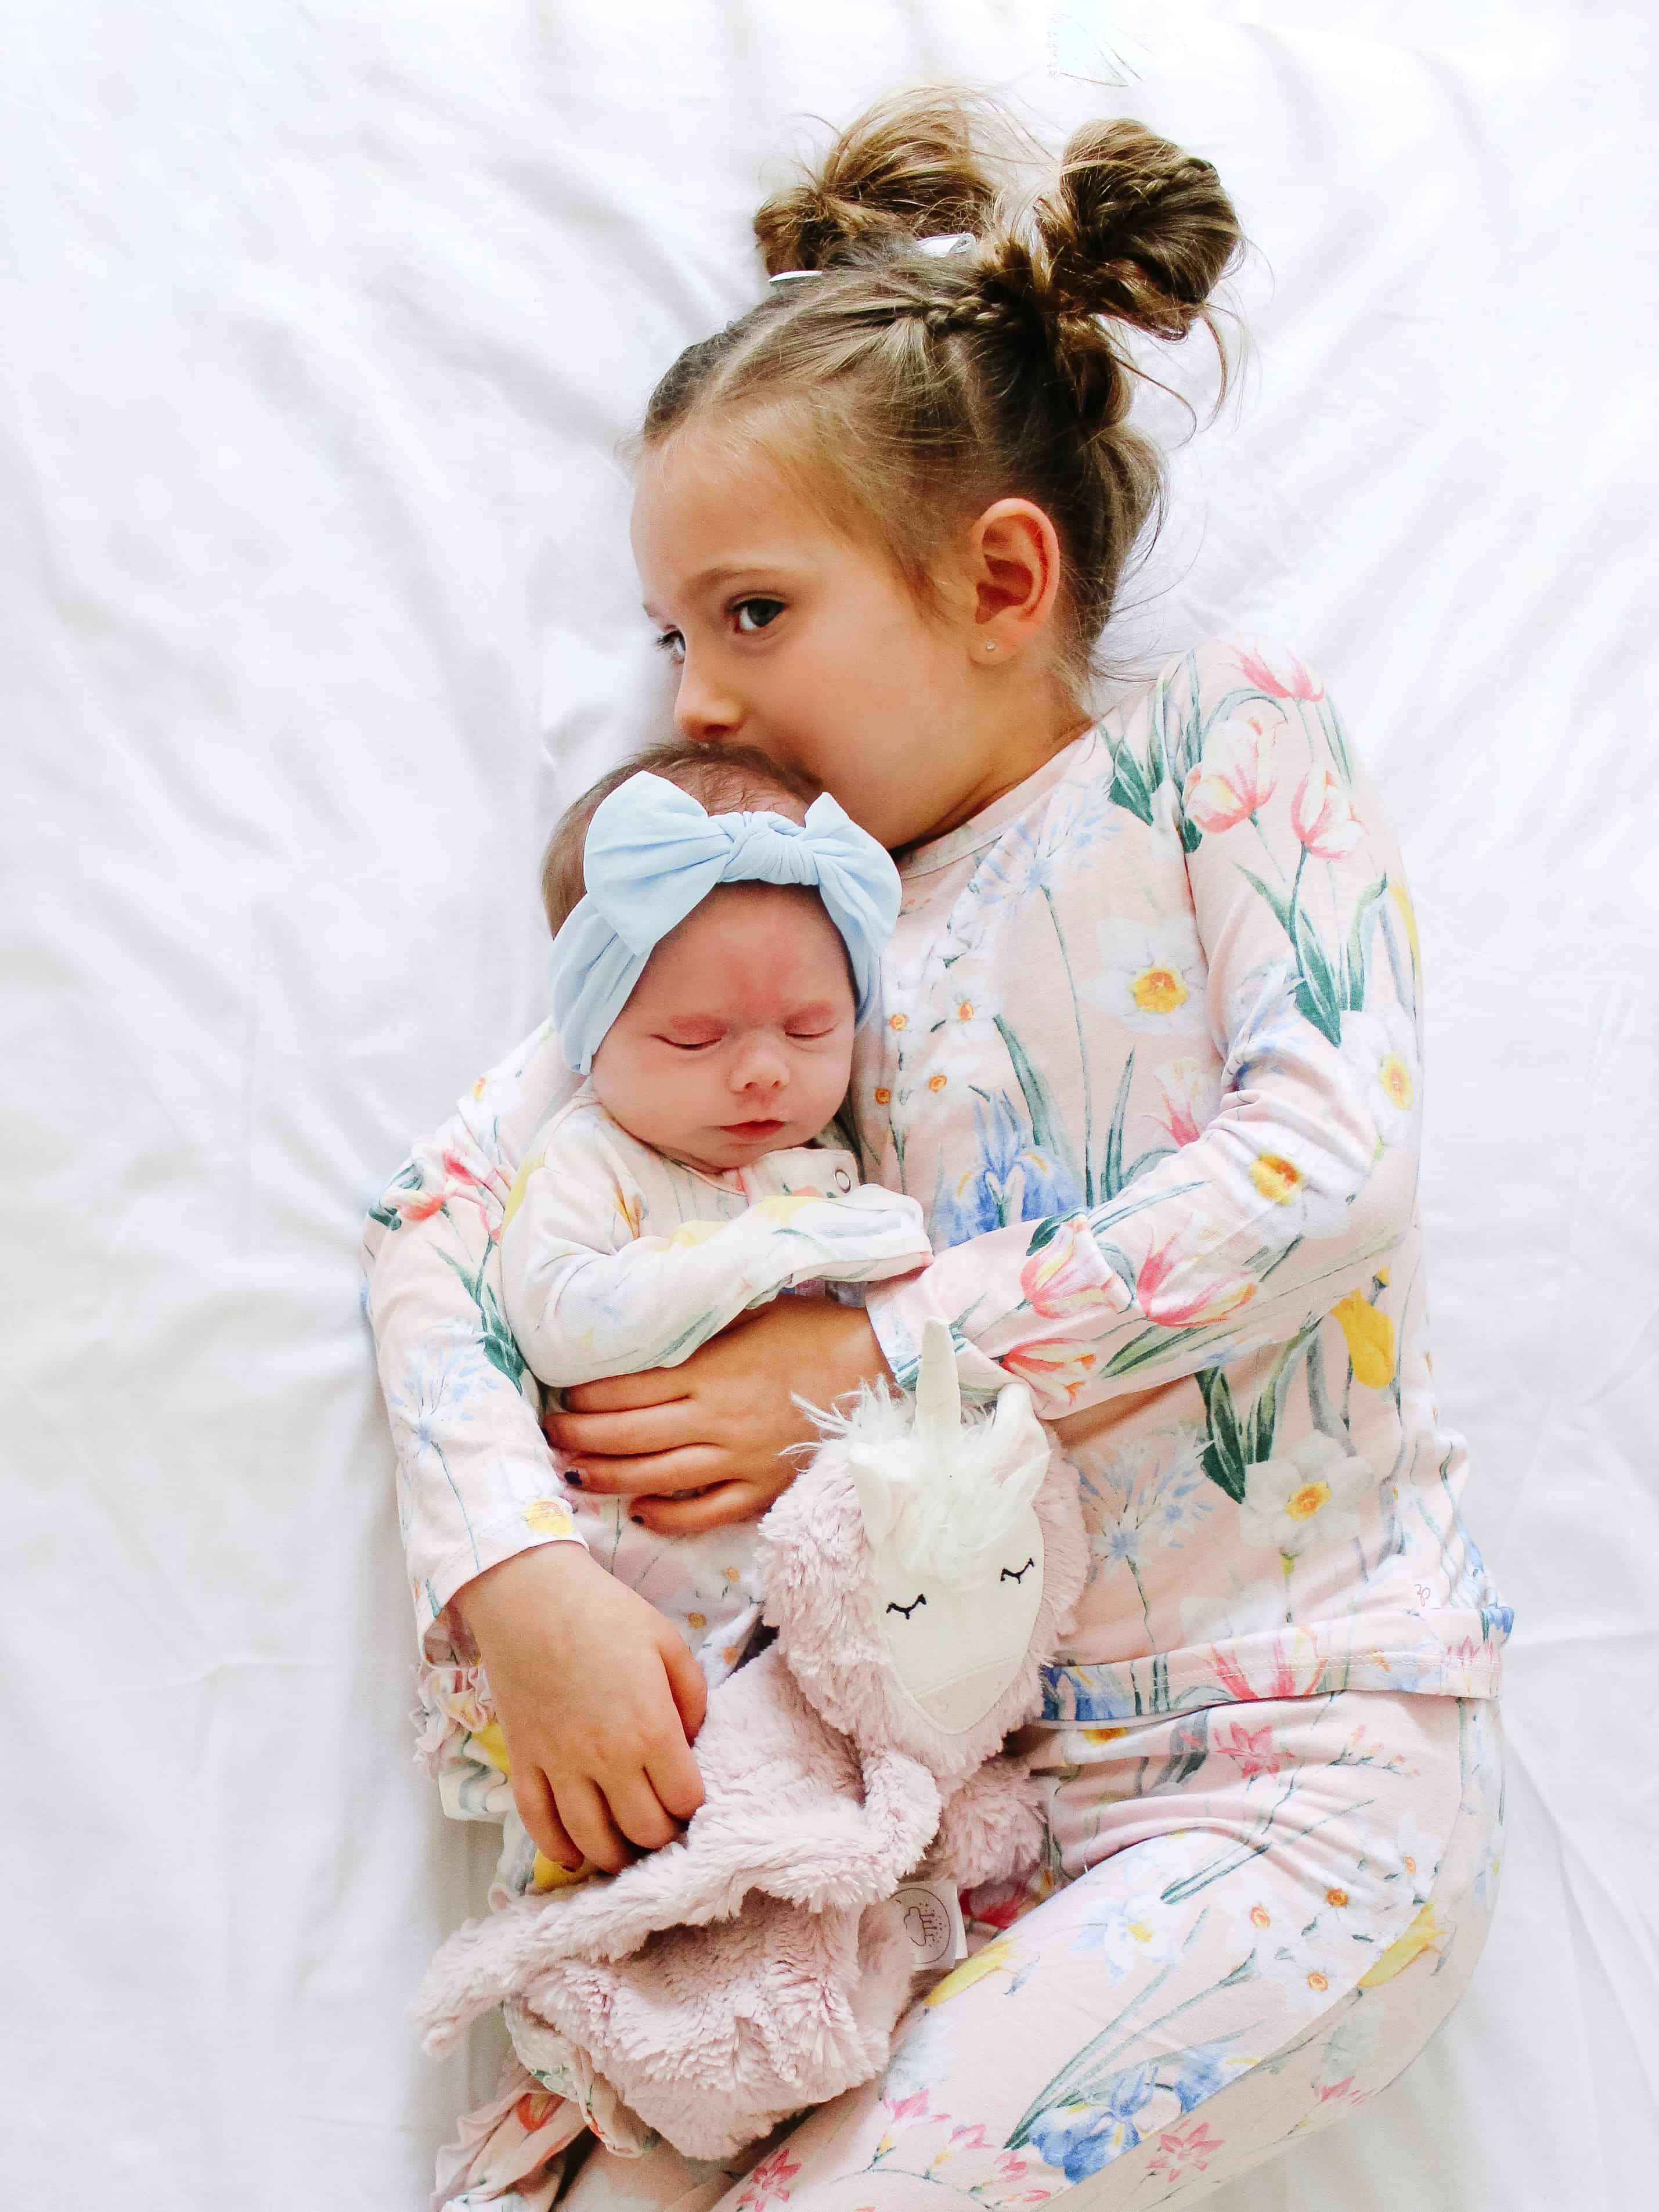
[(1281, 677), (1235, 777), (1191, 1092), (1066, 1277), (1174, 1293), (1323, 816), (1369, 1336)]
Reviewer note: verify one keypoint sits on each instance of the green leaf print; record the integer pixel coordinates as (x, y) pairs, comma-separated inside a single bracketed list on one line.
[(1317, 993), (1112, 1175), (1364, 914), (1047, 1128), (1223, 1456), (1130, 787), (499, 1345)]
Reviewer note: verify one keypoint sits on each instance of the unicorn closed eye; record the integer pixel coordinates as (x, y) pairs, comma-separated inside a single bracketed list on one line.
[(918, 1572)]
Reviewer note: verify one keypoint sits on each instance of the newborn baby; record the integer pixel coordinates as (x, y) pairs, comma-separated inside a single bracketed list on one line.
[(708, 982)]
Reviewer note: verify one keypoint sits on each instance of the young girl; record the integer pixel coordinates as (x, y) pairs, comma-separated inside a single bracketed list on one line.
[(1147, 1052)]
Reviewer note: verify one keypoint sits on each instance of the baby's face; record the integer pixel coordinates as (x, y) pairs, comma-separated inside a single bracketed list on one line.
[(737, 1039)]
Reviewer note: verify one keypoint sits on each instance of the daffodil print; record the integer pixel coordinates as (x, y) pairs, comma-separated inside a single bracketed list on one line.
[(1150, 976), (1308, 1496)]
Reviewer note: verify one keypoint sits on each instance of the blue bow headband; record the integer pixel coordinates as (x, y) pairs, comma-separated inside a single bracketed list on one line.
[(653, 854)]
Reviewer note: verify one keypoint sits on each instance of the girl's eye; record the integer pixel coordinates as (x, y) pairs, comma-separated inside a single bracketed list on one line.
[(677, 1044), (671, 642), (774, 609), (811, 1036)]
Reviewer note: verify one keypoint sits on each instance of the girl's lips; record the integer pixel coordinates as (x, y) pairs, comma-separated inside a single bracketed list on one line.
[(748, 1128)]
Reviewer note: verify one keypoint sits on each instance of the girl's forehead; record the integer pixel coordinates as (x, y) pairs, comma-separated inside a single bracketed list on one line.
[(698, 509)]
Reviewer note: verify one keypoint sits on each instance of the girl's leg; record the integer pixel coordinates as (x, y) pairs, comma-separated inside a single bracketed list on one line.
[(1257, 1915)]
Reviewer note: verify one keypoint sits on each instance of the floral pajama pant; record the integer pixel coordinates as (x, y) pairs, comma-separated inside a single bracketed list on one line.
[(1251, 1918)]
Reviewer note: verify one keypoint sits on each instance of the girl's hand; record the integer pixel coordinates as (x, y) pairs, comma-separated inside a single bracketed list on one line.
[(599, 1700), (718, 1423)]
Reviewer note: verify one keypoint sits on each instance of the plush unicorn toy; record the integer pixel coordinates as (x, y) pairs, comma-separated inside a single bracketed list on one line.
[(918, 1572)]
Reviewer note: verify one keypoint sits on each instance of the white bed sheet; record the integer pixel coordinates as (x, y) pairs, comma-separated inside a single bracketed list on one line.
[(321, 321)]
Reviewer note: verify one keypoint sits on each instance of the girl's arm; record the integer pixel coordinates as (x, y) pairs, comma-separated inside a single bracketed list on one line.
[(475, 1478), (585, 1298), (1303, 1182)]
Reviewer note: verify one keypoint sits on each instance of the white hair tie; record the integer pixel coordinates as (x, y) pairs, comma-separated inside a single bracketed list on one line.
[(949, 241)]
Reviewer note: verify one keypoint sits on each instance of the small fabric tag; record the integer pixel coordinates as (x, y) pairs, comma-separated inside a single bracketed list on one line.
[(932, 1913)]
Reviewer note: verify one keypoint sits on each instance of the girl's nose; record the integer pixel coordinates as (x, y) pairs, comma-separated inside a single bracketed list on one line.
[(703, 713)]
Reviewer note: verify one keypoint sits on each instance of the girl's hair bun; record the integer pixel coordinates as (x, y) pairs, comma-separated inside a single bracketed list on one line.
[(1135, 228), (908, 169)]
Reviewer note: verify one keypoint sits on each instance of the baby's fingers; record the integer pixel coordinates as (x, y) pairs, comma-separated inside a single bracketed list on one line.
[(718, 1506)]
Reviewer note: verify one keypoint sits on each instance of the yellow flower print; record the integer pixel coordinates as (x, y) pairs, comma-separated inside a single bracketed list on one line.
[(898, 1021), (1425, 1933), (883, 1096), (493, 1744), (548, 1516), (697, 1620), (521, 1184), (1370, 1339), (1402, 899), (1102, 1736), (1276, 1178), (785, 1209), (697, 1232), (992, 1960), (1158, 989)]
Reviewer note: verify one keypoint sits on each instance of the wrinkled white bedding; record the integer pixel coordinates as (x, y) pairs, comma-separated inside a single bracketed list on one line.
[(321, 323)]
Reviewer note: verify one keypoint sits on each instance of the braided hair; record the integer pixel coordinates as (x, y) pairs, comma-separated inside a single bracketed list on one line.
[(905, 390)]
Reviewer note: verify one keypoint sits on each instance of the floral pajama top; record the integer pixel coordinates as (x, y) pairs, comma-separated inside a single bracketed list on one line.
[(1148, 1055)]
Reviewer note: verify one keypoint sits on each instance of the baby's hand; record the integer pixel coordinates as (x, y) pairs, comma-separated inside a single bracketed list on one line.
[(599, 1700)]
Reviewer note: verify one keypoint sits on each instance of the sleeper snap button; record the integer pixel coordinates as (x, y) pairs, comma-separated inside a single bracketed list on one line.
[(843, 1181)]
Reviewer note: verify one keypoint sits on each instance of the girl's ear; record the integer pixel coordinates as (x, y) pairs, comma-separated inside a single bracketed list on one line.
[(1013, 558)]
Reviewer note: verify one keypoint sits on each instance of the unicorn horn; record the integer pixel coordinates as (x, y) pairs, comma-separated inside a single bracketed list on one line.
[(939, 1396)]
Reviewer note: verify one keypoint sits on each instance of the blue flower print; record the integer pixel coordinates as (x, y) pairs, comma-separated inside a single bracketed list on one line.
[(1015, 1180), (1079, 2139)]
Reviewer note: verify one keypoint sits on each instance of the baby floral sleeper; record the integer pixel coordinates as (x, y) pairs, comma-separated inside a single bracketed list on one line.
[(1148, 1056)]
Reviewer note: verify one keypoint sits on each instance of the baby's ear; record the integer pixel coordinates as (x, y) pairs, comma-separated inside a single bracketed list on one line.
[(875, 1497)]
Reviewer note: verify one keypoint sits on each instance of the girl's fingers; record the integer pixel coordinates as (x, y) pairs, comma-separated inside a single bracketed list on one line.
[(673, 1774), (726, 1503), (617, 1392), (534, 1800), (662, 1471), (690, 1691), (651, 1429), (640, 1814), (587, 1820)]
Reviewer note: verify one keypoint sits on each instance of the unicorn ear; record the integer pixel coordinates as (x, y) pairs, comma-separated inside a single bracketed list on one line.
[(874, 1497), (1021, 1440), (938, 1393)]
